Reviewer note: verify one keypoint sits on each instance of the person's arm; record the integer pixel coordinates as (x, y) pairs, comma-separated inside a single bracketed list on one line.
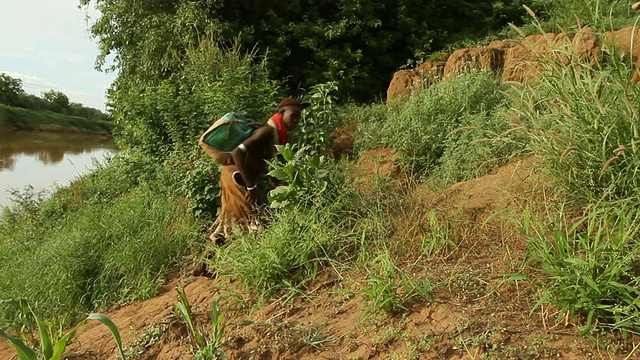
[(253, 146)]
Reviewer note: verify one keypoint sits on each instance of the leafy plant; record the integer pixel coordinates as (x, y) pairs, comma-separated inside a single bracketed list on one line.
[(52, 347), (389, 288), (320, 119), (208, 348), (304, 177)]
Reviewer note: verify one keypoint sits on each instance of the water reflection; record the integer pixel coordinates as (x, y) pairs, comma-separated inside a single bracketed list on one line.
[(44, 159), (48, 148)]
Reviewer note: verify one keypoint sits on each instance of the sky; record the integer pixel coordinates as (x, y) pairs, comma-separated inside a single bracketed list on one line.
[(46, 44)]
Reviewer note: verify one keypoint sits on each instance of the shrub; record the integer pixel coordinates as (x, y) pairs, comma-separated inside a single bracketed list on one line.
[(431, 123)]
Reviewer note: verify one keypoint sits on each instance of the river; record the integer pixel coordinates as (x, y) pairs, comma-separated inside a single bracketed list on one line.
[(44, 160)]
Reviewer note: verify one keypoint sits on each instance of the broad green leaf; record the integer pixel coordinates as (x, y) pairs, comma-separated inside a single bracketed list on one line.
[(46, 344), (24, 352), (278, 174), (114, 329), (280, 190)]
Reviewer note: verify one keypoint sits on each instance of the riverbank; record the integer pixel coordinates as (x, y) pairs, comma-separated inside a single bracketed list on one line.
[(14, 118)]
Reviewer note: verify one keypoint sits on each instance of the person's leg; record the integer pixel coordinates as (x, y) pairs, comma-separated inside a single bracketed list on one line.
[(234, 210)]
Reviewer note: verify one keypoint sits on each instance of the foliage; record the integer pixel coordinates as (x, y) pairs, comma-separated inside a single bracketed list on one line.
[(27, 119), (208, 348), (10, 89), (52, 344), (12, 94), (432, 123), (197, 179), (159, 117), (357, 43), (58, 100), (591, 264), (304, 177), (321, 118)]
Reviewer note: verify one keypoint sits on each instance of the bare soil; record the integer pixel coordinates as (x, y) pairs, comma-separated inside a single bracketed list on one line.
[(476, 310)]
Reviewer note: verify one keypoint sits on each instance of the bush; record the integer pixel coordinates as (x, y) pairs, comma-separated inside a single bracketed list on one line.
[(436, 121)]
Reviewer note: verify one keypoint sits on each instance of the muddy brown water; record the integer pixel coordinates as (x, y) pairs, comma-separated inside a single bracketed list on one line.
[(46, 160)]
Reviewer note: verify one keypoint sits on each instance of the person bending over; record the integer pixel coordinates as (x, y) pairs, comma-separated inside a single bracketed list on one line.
[(239, 178)]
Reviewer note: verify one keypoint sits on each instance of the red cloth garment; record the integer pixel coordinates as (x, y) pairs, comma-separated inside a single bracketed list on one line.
[(282, 131)]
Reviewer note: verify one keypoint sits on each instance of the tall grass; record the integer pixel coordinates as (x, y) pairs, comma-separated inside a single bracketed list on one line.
[(581, 117), (453, 130), (105, 253)]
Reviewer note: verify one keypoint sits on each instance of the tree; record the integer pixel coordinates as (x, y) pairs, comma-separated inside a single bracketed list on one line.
[(10, 89), (358, 43), (58, 101)]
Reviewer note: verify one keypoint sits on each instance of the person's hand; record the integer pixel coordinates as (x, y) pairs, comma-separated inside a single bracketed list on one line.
[(253, 195)]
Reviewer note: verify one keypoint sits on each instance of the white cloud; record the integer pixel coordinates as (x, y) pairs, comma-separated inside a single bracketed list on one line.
[(47, 43)]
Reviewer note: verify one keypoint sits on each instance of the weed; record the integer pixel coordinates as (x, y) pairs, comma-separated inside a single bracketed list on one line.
[(438, 237), (591, 265), (54, 343), (208, 347), (313, 336), (149, 336), (389, 288)]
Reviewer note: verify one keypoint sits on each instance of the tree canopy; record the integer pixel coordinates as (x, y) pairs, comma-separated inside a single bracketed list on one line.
[(12, 94), (358, 43)]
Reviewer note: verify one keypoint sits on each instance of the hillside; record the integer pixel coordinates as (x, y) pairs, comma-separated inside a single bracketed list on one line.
[(475, 310), (491, 215)]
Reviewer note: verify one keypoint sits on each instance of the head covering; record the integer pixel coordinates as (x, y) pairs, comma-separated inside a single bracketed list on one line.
[(292, 102)]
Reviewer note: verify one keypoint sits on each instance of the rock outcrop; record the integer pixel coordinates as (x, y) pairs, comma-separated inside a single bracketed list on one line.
[(519, 60)]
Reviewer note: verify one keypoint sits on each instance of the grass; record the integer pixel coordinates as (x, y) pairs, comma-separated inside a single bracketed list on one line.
[(114, 236), (28, 119), (68, 256)]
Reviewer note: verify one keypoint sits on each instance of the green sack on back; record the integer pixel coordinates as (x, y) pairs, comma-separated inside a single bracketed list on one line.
[(227, 133)]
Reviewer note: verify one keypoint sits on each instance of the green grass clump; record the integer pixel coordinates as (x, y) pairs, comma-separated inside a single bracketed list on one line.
[(452, 128), (286, 254), (591, 264), (100, 255)]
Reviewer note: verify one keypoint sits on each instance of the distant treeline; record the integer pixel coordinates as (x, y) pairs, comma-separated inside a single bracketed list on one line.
[(12, 94), (42, 120)]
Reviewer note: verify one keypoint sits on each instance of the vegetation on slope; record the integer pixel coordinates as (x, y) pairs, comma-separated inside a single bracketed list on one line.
[(114, 235), (27, 119)]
